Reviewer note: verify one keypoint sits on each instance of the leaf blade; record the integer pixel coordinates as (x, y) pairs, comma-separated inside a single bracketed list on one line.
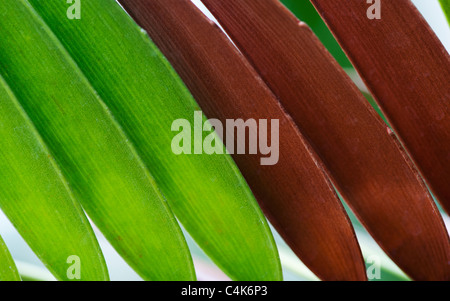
[(34, 196), (309, 216), (8, 269), (207, 193), (445, 4), (397, 40), (366, 163), (100, 164)]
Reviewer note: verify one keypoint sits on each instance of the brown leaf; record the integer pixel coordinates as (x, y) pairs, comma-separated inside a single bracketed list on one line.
[(295, 194), (365, 161), (408, 72)]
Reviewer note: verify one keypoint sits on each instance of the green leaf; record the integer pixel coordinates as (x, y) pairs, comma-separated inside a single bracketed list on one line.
[(8, 269), (207, 192), (101, 166), (35, 197), (445, 4)]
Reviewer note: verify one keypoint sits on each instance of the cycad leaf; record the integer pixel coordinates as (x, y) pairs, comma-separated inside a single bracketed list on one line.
[(94, 155), (364, 160), (295, 194), (207, 192), (8, 269), (411, 86), (36, 199)]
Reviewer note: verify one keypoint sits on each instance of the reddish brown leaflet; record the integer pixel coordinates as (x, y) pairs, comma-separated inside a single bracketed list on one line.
[(365, 162), (408, 72), (295, 194)]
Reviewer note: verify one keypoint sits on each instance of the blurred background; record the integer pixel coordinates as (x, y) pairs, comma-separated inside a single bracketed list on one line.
[(380, 267)]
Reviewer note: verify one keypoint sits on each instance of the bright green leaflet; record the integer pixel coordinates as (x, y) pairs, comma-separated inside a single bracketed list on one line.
[(445, 4), (100, 165), (8, 269), (36, 199), (207, 192)]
